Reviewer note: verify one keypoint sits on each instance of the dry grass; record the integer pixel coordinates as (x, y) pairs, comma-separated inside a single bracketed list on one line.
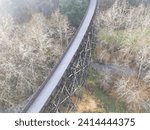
[(123, 16), (28, 52), (124, 39), (124, 35), (89, 103)]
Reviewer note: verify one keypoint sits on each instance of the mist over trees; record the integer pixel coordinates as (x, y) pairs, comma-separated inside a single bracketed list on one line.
[(74, 10), (22, 10)]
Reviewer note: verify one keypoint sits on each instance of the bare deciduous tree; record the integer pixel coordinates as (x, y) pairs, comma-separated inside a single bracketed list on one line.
[(124, 39), (28, 53)]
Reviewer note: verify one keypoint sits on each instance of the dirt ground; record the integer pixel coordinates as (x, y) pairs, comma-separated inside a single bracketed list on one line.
[(89, 103)]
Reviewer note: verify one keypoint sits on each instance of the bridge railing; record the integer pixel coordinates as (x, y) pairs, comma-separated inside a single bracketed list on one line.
[(59, 91)]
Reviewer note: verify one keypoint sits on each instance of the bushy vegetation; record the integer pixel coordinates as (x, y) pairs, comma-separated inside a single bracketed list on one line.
[(106, 4), (74, 10), (124, 40), (106, 103), (28, 53), (137, 2)]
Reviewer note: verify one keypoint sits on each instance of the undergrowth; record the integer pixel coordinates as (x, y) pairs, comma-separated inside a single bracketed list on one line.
[(124, 40)]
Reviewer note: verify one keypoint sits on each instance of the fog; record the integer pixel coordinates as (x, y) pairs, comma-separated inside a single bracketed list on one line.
[(22, 10)]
